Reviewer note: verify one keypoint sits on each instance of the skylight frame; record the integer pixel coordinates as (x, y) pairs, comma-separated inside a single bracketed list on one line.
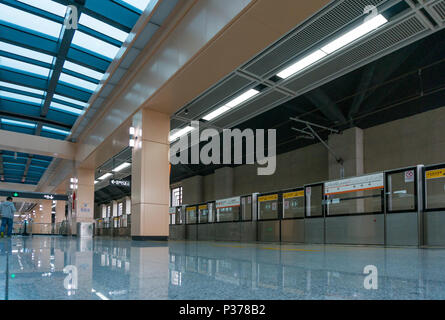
[(25, 52), (75, 81), (64, 108), (137, 4), (70, 100), (22, 88), (55, 130), (21, 97), (17, 123), (24, 67), (48, 6), (30, 21), (95, 45), (102, 27), (68, 65)]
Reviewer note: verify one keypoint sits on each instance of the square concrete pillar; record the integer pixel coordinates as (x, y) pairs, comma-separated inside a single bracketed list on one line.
[(223, 183), (60, 211), (192, 190), (84, 203), (150, 176), (349, 147)]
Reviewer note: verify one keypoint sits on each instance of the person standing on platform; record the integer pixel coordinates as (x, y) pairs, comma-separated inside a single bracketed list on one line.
[(7, 210)]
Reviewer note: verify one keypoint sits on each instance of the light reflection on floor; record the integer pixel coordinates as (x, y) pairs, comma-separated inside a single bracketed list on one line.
[(106, 268)]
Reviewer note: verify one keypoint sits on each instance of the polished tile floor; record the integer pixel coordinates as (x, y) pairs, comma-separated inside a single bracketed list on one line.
[(105, 268)]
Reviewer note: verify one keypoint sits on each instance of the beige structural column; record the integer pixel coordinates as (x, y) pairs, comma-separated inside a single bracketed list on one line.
[(150, 176), (60, 211), (42, 219), (223, 183), (192, 190), (84, 202), (349, 147)]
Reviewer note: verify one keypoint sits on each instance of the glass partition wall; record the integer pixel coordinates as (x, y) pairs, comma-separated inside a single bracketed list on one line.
[(268, 207), (434, 188), (293, 204), (401, 191)]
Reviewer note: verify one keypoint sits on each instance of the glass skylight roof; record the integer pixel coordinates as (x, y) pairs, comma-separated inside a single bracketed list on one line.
[(23, 66), (55, 130), (65, 108), (29, 21), (83, 70), (70, 80), (18, 123), (24, 52), (20, 97), (21, 88), (138, 4), (47, 5), (93, 44), (102, 27), (73, 101)]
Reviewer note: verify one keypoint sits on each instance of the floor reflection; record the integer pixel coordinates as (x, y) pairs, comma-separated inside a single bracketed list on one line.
[(42, 267)]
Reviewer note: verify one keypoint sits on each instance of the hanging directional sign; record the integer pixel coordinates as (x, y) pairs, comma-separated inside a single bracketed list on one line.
[(120, 183), (33, 195)]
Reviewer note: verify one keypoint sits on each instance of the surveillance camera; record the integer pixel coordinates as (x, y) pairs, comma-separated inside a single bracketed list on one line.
[(186, 111)]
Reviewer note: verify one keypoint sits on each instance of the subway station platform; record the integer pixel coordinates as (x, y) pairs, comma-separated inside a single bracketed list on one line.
[(120, 269)]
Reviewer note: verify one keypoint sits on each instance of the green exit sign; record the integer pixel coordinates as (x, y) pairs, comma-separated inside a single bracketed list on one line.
[(16, 194)]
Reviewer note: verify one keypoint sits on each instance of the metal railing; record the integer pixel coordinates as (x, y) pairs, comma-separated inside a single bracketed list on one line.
[(30, 228)]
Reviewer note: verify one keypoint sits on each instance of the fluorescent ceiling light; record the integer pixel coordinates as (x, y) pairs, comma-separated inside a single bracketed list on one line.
[(21, 88), (83, 70), (102, 27), (180, 133), (20, 97), (242, 98), (93, 44), (30, 21), (302, 64), (27, 53), (105, 176), (23, 66), (231, 104), (70, 80), (354, 34), (62, 107), (73, 101), (122, 167), (18, 123), (138, 4), (47, 5), (212, 115), (95, 181), (55, 130)]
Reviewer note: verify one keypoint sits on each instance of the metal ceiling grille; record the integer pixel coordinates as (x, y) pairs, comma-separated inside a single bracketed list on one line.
[(406, 24), (439, 9), (226, 88), (393, 36), (300, 40), (261, 104)]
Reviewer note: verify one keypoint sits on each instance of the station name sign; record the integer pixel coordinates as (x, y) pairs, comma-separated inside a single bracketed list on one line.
[(367, 182), (33, 195), (120, 183), (227, 203)]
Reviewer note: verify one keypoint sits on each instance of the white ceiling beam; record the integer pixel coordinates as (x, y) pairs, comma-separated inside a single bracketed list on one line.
[(26, 143)]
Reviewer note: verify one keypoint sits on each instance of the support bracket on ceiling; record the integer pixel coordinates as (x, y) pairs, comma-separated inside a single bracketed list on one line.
[(312, 134)]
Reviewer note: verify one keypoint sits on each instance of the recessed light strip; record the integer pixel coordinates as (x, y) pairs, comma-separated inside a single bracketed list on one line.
[(180, 133), (121, 167), (231, 104), (333, 46)]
